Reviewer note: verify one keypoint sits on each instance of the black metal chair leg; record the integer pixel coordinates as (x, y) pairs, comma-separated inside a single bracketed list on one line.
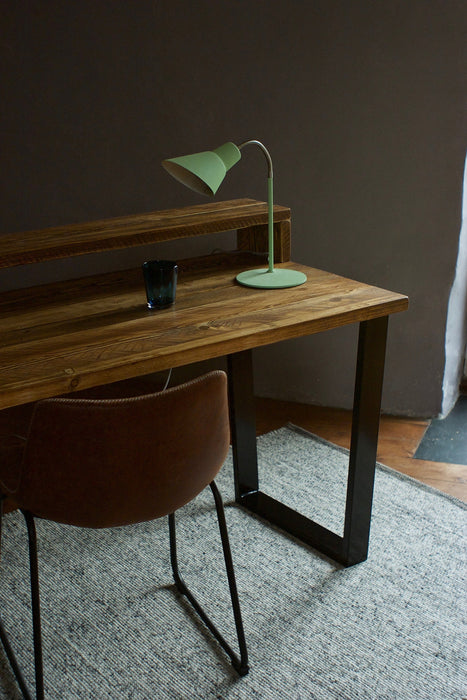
[(36, 618), (231, 576), (240, 663), (36, 613)]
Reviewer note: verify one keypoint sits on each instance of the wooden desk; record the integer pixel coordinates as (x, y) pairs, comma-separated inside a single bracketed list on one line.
[(67, 336)]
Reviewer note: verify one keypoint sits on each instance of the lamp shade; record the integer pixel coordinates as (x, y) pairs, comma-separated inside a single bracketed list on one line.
[(203, 172)]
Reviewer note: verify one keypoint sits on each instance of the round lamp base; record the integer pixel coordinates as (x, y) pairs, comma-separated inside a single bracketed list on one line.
[(279, 278)]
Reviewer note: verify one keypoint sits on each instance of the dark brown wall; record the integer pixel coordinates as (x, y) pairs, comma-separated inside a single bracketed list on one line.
[(362, 105)]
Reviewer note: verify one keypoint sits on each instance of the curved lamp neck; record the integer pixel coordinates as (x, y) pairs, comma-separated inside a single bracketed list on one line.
[(265, 151)]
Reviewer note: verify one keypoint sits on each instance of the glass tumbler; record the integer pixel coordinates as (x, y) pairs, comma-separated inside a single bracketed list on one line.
[(160, 278)]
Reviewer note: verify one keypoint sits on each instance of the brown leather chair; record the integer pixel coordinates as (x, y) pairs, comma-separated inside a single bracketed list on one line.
[(105, 463)]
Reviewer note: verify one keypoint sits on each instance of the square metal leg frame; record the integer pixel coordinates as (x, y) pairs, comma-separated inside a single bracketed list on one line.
[(352, 547)]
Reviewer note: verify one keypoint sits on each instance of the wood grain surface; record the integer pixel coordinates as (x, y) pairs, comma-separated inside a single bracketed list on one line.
[(28, 247), (72, 335)]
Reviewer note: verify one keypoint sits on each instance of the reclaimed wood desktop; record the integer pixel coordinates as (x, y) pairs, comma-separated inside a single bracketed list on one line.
[(71, 335)]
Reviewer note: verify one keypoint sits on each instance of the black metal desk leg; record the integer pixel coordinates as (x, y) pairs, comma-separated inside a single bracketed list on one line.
[(243, 423), (352, 548), (364, 442)]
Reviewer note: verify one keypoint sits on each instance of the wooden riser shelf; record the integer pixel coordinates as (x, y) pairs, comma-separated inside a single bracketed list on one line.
[(247, 216)]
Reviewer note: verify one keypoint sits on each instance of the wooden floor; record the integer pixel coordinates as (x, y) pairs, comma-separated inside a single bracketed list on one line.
[(398, 440)]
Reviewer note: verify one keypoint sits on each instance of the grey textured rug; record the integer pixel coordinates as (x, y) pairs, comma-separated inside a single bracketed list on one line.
[(391, 628)]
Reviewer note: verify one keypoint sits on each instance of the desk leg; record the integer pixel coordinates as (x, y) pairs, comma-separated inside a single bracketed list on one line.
[(243, 423), (352, 548), (364, 440)]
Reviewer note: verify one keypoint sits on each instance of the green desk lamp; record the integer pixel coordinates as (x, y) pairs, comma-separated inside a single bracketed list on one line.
[(203, 172)]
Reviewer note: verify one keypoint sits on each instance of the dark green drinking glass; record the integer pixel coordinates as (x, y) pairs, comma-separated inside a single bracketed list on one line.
[(160, 278)]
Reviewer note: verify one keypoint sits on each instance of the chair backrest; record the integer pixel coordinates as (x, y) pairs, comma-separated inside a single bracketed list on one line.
[(102, 463)]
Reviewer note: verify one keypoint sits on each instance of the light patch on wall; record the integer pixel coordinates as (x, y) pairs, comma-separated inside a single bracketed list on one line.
[(456, 325)]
